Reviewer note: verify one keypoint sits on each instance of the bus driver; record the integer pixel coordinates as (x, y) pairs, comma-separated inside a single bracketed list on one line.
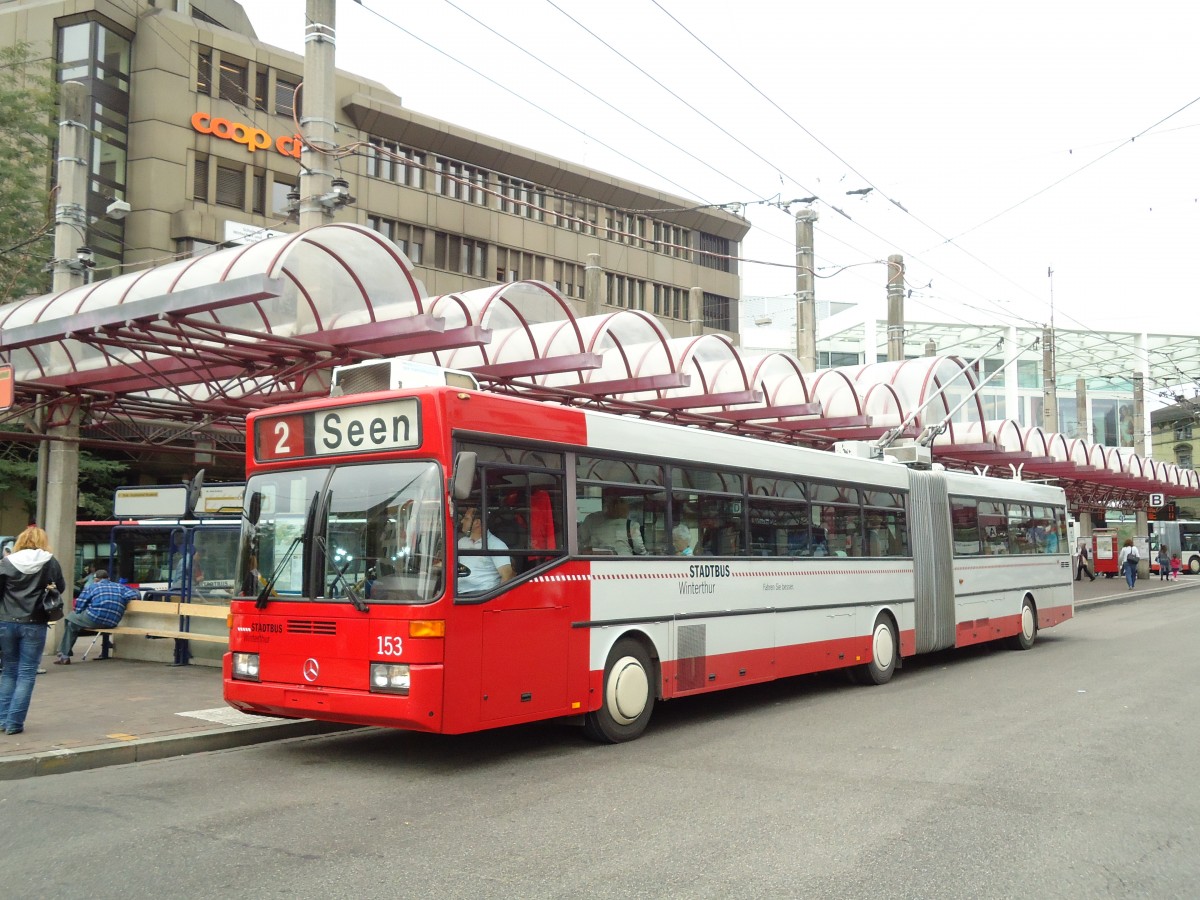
[(487, 572)]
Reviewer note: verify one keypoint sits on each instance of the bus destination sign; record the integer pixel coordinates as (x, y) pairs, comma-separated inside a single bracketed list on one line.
[(370, 428)]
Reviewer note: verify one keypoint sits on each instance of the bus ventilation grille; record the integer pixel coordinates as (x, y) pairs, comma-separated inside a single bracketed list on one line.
[(693, 649), (310, 626), (365, 379)]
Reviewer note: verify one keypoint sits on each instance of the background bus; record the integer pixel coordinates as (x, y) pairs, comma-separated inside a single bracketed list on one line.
[(428, 571), (168, 544), (1180, 536)]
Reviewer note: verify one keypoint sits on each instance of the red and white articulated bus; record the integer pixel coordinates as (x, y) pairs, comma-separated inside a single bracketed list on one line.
[(450, 560)]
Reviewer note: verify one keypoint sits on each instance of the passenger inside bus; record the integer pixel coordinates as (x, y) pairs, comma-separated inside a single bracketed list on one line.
[(485, 571), (610, 529), (681, 539)]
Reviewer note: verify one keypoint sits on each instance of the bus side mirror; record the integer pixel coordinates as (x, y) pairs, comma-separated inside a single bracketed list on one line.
[(254, 508), (464, 474)]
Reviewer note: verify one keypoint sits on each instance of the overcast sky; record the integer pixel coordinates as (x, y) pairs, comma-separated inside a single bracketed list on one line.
[(998, 139)]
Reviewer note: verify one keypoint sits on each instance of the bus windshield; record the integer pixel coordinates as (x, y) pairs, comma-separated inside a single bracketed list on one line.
[(377, 534)]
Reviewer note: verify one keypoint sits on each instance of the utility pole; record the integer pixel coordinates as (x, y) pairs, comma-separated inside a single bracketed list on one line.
[(318, 124), (593, 285), (58, 454), (1139, 414), (895, 298), (1049, 368), (1081, 409), (1049, 384), (696, 311), (806, 300)]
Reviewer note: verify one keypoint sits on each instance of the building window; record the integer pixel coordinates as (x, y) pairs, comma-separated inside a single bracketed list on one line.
[(409, 238), (1029, 373), (261, 77), (568, 278), (234, 85), (517, 265), (231, 187), (670, 302), (258, 193), (99, 56), (989, 367), (279, 195), (204, 72), (200, 179), (1183, 431), (393, 162), (626, 292), (285, 94), (459, 254), (714, 252), (718, 312), (831, 359), (1183, 457)]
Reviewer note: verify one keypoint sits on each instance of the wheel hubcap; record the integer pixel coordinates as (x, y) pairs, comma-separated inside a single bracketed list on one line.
[(1027, 621), (884, 648), (628, 690)]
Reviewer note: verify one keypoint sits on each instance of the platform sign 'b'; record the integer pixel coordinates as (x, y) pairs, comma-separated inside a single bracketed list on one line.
[(1158, 500)]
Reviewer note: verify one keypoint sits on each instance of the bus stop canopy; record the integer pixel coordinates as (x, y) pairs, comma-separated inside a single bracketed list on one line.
[(173, 357)]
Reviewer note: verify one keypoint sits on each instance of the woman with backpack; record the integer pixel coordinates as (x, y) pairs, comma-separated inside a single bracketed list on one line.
[(1128, 562)]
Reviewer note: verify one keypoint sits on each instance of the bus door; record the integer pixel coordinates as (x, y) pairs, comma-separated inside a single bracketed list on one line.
[(525, 630)]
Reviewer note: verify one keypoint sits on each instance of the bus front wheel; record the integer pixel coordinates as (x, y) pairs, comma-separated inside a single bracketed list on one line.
[(1194, 565), (628, 697), (1024, 638), (884, 653)]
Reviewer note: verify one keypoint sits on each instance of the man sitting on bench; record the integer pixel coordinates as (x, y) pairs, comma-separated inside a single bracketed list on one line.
[(100, 605)]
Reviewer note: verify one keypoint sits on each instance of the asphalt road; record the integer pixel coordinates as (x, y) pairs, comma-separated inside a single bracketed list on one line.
[(1065, 771)]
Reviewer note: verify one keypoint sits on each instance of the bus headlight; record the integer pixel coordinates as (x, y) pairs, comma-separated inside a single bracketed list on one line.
[(389, 678), (245, 666)]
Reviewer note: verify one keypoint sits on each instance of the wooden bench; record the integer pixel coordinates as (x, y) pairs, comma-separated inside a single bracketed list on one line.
[(166, 623)]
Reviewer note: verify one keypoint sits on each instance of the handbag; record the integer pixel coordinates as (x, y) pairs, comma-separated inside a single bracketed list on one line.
[(52, 604)]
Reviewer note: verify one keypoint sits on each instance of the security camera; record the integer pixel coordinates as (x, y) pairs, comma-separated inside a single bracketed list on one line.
[(118, 210)]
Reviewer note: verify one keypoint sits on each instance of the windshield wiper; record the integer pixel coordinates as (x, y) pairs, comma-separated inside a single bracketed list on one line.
[(265, 594), (340, 575)]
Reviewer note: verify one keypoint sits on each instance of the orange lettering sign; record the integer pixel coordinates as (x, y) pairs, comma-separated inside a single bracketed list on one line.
[(247, 135)]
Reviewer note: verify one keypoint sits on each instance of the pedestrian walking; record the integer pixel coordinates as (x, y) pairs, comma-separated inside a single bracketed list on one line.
[(1164, 563), (24, 576), (1127, 561), (1082, 564)]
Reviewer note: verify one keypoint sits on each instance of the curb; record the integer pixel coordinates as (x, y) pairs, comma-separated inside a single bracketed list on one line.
[(1127, 596), (56, 762)]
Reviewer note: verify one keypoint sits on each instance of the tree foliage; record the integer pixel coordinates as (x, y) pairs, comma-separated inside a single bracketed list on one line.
[(27, 130), (98, 478)]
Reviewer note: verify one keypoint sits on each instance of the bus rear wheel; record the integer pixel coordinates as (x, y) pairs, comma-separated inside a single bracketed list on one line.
[(628, 697), (1194, 565), (1024, 638), (885, 650)]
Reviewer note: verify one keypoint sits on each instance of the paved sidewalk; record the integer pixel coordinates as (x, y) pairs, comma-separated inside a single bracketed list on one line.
[(108, 712)]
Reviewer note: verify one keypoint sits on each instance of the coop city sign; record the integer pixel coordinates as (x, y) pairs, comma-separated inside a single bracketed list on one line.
[(247, 135)]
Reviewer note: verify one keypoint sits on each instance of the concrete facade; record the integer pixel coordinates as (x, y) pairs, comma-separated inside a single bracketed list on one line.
[(193, 127)]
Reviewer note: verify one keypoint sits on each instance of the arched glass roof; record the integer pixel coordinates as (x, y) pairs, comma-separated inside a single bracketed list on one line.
[(216, 335)]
